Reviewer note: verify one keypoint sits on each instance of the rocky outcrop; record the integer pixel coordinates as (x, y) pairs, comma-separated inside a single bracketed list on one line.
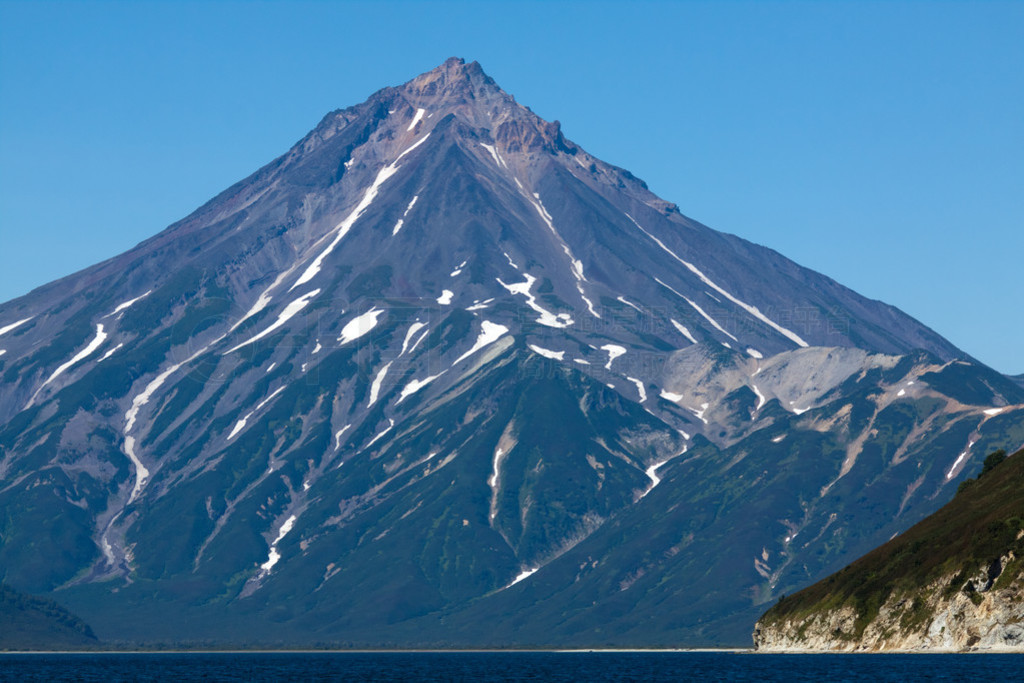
[(984, 612)]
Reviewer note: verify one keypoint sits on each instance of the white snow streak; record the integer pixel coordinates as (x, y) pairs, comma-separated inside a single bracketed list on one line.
[(359, 326), (510, 261), (377, 381), (398, 225), (408, 335), (576, 266), (614, 351), (993, 411), (391, 424), (274, 555), (652, 474), (553, 355), (458, 269), (754, 353), (489, 333), (479, 306), (698, 309), (316, 349), (342, 228), (240, 425), (639, 387), (97, 340), (122, 306), (628, 303), (760, 398), (7, 328), (3, 351), (110, 353), (261, 301), (492, 481), (525, 574), (494, 153), (670, 396), (337, 436), (959, 459), (546, 317), (446, 297), (416, 118), (752, 310), (415, 385), (683, 331), (289, 312)]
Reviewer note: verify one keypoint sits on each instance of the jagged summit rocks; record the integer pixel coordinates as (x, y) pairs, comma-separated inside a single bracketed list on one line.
[(436, 363)]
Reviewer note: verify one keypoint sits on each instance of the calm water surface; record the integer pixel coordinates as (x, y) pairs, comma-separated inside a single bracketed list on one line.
[(507, 666)]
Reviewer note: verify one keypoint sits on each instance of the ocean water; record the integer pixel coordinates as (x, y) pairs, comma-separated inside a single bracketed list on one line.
[(507, 666)]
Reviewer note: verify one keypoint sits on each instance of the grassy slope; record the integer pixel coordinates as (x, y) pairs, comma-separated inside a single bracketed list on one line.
[(31, 623), (978, 526)]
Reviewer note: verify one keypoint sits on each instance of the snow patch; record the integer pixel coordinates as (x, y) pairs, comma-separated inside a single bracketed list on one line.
[(360, 325), (553, 355), (377, 381), (94, 344), (7, 328), (492, 481), (409, 333), (671, 396), (614, 351), (760, 398), (107, 355), (416, 119), (391, 424), (274, 555), (127, 304), (494, 153), (415, 385), (398, 225), (546, 317), (959, 459), (289, 312), (480, 306), (993, 411), (337, 436), (639, 387), (489, 333), (446, 297), (778, 438), (683, 331), (754, 353), (525, 574), (628, 303)]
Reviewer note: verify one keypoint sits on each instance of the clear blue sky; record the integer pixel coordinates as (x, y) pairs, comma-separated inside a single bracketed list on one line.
[(881, 143)]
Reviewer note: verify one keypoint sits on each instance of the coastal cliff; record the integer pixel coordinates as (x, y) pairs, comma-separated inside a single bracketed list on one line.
[(953, 582)]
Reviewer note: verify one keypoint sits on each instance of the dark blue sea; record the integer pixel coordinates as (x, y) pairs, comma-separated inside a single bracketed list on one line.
[(508, 666)]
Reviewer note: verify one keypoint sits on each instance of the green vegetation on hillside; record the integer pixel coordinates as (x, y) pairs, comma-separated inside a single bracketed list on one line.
[(31, 623), (980, 525)]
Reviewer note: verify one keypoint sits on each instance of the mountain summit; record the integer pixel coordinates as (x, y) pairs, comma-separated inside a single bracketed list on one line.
[(436, 374)]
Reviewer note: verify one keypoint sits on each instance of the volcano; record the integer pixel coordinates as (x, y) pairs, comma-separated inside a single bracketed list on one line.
[(438, 377)]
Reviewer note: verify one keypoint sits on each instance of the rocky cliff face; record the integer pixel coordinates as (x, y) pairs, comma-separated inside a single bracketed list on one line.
[(953, 583), (985, 614)]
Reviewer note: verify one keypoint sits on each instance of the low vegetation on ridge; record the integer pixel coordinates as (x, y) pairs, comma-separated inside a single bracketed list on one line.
[(983, 523)]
